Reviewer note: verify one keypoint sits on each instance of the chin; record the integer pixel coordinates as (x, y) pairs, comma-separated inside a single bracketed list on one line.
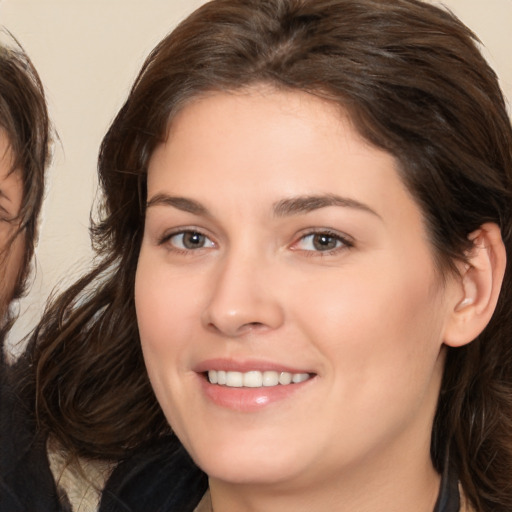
[(249, 471), (238, 464)]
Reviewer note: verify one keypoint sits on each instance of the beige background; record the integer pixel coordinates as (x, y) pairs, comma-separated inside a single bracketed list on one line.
[(87, 53)]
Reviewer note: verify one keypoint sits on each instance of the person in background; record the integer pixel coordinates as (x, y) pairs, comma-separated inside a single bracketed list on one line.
[(26, 482)]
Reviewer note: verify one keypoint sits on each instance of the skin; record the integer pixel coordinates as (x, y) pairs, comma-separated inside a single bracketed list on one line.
[(366, 318), (11, 250)]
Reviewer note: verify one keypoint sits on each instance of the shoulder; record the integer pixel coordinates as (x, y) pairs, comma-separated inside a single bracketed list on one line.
[(26, 482)]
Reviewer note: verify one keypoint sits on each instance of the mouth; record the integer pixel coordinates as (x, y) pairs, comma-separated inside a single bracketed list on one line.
[(255, 378), (250, 385)]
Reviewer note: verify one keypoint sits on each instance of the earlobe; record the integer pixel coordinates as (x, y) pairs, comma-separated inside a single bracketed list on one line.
[(480, 283)]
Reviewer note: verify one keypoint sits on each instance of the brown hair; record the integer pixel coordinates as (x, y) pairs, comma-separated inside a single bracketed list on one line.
[(412, 79), (24, 119)]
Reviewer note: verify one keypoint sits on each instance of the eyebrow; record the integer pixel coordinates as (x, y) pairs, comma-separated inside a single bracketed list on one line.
[(181, 203), (305, 204), (283, 208)]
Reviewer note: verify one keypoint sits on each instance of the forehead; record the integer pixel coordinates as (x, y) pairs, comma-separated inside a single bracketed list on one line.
[(244, 138)]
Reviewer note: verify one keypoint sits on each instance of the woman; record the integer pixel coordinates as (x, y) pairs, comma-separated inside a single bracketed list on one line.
[(304, 235), (25, 479)]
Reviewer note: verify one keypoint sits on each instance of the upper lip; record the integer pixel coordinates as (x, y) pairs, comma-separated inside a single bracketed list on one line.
[(245, 366)]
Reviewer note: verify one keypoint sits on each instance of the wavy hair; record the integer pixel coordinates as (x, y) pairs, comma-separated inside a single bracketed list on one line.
[(413, 81)]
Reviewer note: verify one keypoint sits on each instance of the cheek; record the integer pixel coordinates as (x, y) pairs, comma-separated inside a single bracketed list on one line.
[(379, 338), (167, 308), (381, 325), (168, 313)]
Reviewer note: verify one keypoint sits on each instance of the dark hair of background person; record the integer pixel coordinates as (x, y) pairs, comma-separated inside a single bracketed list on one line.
[(24, 120), (414, 83), (26, 482)]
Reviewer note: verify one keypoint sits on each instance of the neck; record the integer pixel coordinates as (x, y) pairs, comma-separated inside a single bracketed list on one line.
[(407, 484)]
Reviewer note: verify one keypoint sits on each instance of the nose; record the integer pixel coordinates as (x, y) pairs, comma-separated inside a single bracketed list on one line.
[(243, 298)]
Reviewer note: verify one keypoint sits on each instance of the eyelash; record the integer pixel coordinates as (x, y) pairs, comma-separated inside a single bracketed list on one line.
[(342, 242)]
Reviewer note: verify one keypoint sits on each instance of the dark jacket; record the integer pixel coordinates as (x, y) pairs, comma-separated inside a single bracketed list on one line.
[(26, 482)]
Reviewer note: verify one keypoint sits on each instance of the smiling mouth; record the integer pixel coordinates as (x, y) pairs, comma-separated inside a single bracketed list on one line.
[(255, 379)]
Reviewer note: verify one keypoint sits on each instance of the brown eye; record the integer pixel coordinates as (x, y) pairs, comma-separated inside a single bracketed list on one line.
[(322, 242), (190, 240)]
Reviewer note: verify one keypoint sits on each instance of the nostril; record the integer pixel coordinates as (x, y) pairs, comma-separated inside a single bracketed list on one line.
[(236, 330), (251, 326)]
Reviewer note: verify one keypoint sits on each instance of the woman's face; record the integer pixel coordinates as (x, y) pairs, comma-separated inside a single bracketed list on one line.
[(11, 250), (281, 246)]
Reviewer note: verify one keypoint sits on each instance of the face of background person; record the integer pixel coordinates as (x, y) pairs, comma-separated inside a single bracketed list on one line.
[(279, 245), (11, 250)]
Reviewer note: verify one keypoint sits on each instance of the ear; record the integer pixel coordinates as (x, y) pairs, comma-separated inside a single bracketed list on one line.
[(478, 287)]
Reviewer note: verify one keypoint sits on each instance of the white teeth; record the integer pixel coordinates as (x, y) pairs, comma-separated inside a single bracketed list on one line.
[(285, 378), (270, 379), (234, 379), (255, 379), (300, 377)]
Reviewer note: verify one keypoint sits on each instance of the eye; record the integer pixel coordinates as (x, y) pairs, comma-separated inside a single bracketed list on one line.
[(188, 240), (323, 241)]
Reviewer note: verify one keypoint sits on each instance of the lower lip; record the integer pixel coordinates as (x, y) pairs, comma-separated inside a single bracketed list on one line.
[(250, 399)]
